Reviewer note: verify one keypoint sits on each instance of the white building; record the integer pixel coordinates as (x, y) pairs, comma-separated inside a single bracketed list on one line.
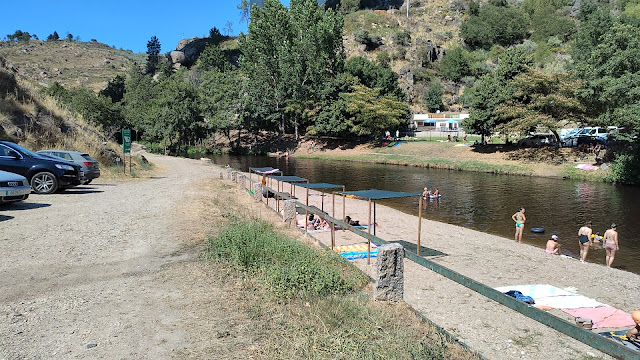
[(440, 121)]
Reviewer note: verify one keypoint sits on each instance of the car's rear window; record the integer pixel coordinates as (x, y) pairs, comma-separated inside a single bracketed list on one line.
[(87, 157)]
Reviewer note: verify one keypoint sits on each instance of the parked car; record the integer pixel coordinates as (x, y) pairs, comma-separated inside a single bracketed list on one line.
[(570, 138), (13, 187), (89, 165), (538, 140), (45, 175)]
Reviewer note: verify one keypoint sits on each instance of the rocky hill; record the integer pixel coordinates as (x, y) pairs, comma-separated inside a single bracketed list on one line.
[(70, 63)]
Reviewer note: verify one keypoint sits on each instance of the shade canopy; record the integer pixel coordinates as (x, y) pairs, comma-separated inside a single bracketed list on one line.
[(265, 170), (288, 178), (374, 194), (321, 186)]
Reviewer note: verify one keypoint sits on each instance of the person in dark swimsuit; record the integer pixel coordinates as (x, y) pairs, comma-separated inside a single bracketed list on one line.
[(584, 236)]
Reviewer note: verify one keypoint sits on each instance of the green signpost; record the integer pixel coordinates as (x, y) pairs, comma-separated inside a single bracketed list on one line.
[(126, 148), (126, 141)]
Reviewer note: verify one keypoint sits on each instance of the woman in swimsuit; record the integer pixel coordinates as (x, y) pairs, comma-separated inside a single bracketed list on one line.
[(610, 244), (519, 219), (584, 235)]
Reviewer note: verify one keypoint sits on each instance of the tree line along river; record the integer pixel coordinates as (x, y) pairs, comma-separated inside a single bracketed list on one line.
[(485, 202)]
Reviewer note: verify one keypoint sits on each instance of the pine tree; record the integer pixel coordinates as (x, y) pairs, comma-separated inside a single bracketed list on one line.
[(153, 49)]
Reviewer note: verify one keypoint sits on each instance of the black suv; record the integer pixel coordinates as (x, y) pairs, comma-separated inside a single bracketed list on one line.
[(46, 175)]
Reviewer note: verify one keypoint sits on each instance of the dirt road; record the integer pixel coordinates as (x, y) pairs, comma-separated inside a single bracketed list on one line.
[(106, 271)]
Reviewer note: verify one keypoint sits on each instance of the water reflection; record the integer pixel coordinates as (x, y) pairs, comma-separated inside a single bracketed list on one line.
[(486, 202)]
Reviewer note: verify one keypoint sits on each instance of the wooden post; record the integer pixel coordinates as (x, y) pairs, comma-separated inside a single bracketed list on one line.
[(306, 213), (333, 200), (419, 222), (333, 235), (369, 238), (278, 198), (344, 200)]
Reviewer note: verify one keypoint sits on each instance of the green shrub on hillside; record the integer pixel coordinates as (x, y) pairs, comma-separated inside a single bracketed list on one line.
[(288, 267), (504, 25), (371, 42), (455, 64)]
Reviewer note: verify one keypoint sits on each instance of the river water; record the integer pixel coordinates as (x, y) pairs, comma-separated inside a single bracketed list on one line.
[(485, 202)]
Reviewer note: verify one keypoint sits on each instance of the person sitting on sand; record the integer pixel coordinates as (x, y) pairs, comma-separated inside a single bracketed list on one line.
[(351, 222), (552, 245), (634, 333)]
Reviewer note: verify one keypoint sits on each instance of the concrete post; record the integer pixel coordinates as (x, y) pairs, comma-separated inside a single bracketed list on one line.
[(221, 175), (229, 170), (234, 176), (390, 274), (289, 214), (257, 192), (242, 182)]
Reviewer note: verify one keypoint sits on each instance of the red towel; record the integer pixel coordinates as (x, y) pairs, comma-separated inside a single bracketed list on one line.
[(603, 316)]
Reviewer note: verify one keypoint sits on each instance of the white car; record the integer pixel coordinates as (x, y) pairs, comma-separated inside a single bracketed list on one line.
[(538, 140), (13, 187)]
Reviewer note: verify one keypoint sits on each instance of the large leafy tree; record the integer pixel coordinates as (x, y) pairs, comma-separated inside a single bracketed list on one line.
[(287, 55), (492, 90), (539, 99), (371, 113), (221, 100)]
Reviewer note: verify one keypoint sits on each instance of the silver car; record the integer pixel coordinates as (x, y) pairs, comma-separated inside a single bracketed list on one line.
[(89, 165), (13, 187)]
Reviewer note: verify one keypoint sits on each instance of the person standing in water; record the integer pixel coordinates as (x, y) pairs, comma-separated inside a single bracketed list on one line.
[(584, 235), (519, 219), (610, 244)]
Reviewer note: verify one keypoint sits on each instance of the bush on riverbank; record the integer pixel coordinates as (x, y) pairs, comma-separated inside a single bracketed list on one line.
[(307, 302)]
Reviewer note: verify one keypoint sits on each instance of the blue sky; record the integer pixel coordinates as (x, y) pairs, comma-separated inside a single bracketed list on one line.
[(124, 24)]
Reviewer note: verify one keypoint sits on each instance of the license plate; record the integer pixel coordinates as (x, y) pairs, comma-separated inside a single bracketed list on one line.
[(14, 192)]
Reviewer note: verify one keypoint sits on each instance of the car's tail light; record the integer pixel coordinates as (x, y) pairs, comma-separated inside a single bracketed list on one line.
[(88, 163)]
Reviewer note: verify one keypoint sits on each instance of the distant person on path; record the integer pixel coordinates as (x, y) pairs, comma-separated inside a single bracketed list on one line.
[(552, 245), (584, 236), (519, 219), (634, 333), (397, 135), (610, 244)]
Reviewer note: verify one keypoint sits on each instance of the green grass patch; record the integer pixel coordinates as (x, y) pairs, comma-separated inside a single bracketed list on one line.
[(286, 267), (570, 172), (305, 302)]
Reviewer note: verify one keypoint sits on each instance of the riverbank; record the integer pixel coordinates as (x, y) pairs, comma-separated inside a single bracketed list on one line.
[(492, 329), (550, 162)]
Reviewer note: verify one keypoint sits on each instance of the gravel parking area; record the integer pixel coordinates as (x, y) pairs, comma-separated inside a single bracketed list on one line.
[(106, 271)]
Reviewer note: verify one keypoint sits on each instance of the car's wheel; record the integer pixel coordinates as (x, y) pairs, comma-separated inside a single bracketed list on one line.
[(44, 183)]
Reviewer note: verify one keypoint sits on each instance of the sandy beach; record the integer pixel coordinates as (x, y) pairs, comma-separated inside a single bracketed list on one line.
[(493, 330)]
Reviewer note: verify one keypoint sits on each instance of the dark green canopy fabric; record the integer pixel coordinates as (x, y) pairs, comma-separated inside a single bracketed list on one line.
[(375, 194), (288, 178), (321, 186)]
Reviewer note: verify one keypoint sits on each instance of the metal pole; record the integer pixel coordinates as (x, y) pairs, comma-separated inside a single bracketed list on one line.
[(374, 218), (419, 222), (369, 238), (306, 213), (278, 198), (322, 196), (333, 201), (407, 9)]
